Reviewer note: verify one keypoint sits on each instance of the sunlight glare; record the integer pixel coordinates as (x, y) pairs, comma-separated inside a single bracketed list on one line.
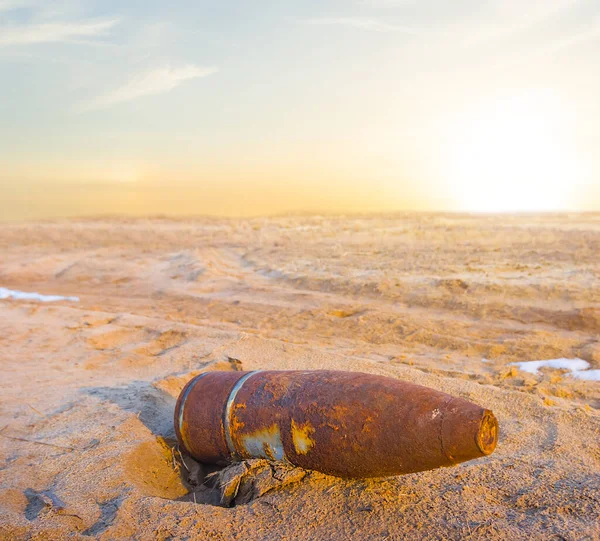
[(513, 155)]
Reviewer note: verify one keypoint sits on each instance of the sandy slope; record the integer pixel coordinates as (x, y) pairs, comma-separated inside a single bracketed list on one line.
[(86, 393)]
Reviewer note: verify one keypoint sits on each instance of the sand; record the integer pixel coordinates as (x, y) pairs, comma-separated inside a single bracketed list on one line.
[(88, 386)]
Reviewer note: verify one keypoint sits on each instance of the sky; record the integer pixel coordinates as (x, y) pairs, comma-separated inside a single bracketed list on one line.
[(273, 106)]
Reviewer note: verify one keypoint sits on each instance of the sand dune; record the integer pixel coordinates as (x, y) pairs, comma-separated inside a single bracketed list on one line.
[(87, 388)]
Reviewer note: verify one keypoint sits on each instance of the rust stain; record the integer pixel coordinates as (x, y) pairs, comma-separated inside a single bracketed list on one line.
[(184, 433), (303, 443), (235, 424), (338, 409)]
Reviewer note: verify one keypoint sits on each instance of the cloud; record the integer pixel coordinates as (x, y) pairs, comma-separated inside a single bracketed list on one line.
[(54, 32), (496, 19), (362, 23), (386, 3), (525, 16), (9, 5), (154, 82), (556, 46)]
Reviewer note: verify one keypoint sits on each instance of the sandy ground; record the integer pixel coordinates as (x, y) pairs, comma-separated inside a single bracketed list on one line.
[(87, 389)]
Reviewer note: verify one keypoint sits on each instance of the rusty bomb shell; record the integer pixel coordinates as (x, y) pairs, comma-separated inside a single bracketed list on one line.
[(347, 424)]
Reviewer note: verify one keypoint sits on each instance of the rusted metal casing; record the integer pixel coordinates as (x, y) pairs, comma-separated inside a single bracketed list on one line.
[(347, 424)]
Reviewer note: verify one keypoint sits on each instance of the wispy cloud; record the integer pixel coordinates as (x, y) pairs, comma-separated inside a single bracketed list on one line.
[(54, 32), (361, 23), (385, 3), (9, 5), (523, 16), (154, 82), (495, 19), (549, 50)]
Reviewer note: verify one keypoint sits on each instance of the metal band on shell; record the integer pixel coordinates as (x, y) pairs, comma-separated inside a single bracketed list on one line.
[(228, 408)]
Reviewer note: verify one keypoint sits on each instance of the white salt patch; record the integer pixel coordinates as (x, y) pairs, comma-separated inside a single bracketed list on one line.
[(588, 375), (24, 296), (568, 364), (577, 367)]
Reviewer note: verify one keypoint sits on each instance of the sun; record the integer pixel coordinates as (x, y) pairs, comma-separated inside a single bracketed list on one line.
[(512, 155)]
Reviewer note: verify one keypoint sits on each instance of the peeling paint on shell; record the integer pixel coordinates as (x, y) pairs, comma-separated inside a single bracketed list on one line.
[(301, 437), (263, 444)]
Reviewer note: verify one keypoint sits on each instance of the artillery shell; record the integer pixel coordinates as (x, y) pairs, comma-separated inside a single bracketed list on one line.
[(347, 424)]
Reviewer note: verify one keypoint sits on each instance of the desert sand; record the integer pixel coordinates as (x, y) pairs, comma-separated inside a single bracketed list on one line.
[(88, 386)]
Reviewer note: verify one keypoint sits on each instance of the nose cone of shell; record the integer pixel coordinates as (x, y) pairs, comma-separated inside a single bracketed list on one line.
[(487, 438), (468, 432)]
